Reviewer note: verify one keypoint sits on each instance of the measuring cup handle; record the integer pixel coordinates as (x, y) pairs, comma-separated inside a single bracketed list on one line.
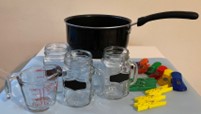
[(133, 72), (7, 87)]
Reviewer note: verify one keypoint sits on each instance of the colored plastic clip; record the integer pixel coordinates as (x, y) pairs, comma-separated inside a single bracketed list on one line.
[(177, 83), (141, 106), (159, 72), (159, 90), (143, 66), (150, 98), (157, 104), (143, 84), (153, 68), (166, 78)]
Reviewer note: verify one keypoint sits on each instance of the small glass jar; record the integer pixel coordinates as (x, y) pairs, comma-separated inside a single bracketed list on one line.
[(77, 83), (118, 70), (54, 54)]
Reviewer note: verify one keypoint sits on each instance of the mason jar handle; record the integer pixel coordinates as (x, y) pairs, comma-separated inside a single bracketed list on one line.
[(7, 87), (133, 72)]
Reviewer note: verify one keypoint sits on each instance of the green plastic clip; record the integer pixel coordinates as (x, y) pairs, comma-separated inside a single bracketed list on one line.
[(143, 84), (153, 68)]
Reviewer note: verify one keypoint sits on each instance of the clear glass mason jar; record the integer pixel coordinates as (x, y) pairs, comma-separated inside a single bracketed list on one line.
[(77, 83), (54, 54), (118, 70)]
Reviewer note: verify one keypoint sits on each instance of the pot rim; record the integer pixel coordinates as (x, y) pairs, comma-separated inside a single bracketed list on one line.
[(101, 15)]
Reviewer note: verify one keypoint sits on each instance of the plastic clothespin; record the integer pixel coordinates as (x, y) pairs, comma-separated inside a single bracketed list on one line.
[(153, 68), (177, 83), (149, 98), (152, 99), (166, 78), (159, 72), (159, 90), (143, 84), (141, 106), (157, 104), (143, 65)]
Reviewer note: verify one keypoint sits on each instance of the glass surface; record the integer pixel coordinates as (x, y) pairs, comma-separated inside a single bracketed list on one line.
[(116, 66), (54, 54), (77, 83)]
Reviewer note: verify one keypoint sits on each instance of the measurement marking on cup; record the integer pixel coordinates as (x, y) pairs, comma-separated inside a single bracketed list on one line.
[(40, 100), (40, 77)]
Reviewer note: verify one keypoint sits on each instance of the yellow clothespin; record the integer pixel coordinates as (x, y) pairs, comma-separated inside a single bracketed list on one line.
[(159, 90), (166, 78), (149, 98), (157, 104), (149, 105), (152, 99), (141, 106)]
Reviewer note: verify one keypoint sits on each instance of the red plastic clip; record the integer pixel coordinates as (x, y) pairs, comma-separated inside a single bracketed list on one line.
[(159, 72), (143, 65)]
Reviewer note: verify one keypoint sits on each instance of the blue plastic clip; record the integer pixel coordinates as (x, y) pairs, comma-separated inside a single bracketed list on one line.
[(177, 83)]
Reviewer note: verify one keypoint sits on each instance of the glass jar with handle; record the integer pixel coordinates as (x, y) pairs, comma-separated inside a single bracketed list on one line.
[(77, 84), (54, 54), (119, 73)]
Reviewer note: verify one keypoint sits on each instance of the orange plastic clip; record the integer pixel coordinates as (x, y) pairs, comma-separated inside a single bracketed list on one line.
[(143, 65)]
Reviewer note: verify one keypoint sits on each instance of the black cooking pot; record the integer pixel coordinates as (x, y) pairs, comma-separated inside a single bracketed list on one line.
[(94, 32)]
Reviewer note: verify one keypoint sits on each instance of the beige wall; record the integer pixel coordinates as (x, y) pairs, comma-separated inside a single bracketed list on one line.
[(27, 25)]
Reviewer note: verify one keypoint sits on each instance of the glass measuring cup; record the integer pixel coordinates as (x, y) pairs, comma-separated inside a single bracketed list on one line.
[(38, 86), (119, 73)]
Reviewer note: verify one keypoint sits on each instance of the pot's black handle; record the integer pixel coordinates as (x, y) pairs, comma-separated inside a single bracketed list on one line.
[(169, 14)]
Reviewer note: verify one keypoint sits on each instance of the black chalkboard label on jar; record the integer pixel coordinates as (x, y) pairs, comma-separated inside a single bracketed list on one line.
[(74, 85), (119, 78)]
